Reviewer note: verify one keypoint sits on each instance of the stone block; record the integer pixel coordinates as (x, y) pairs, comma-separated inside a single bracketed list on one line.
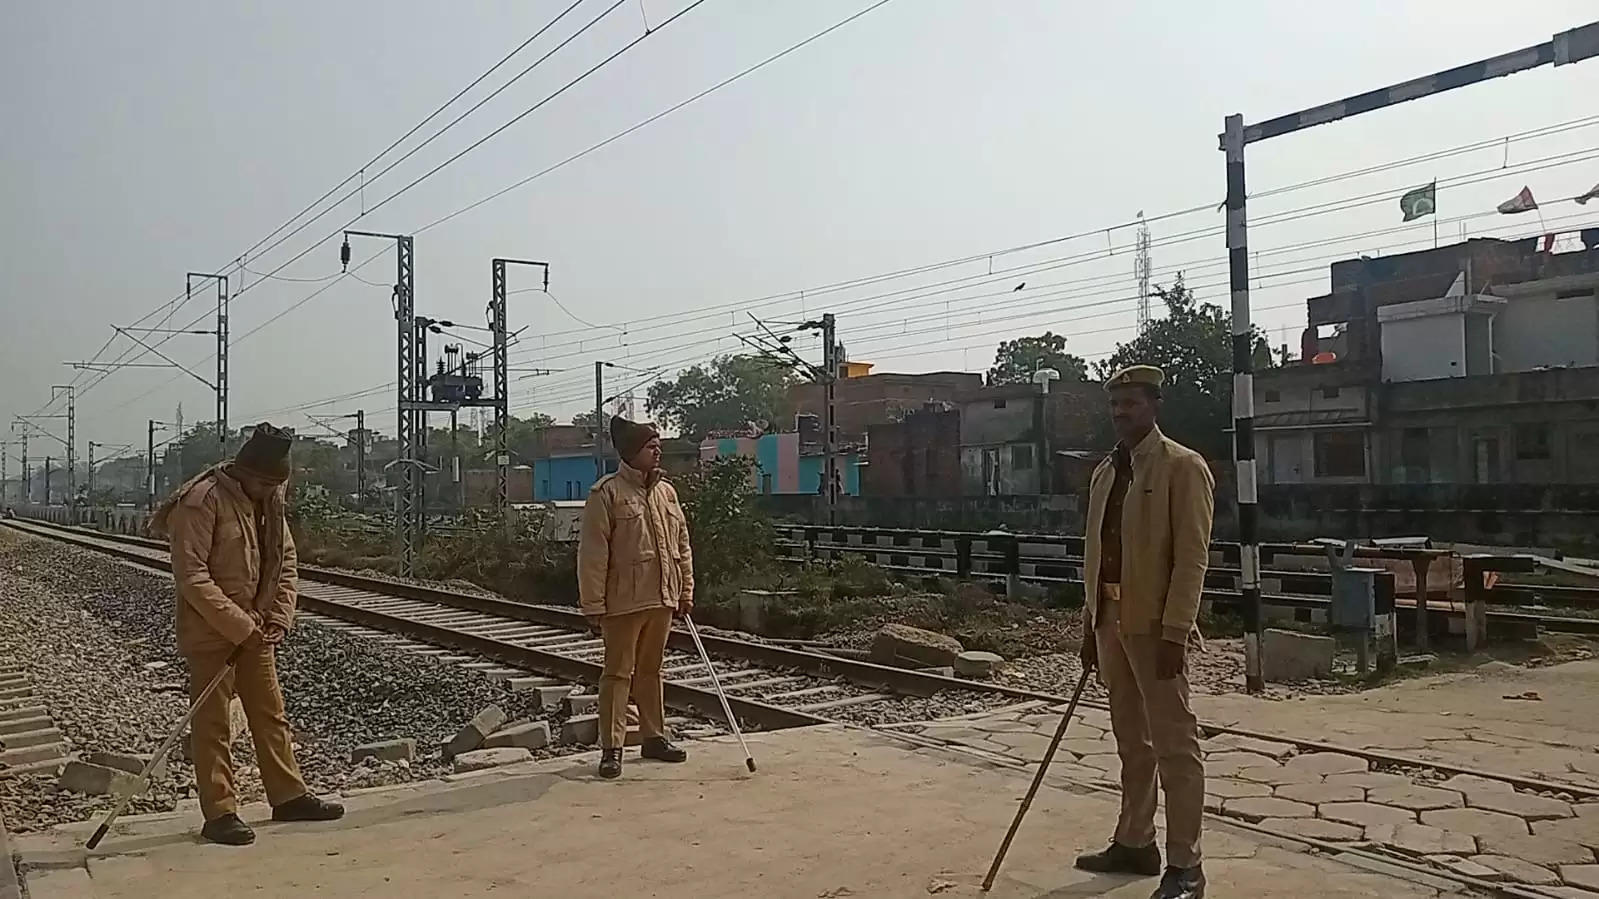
[(1259, 809), (1231, 788), (1578, 830), (16, 758), (1279, 776), (1289, 656), (1313, 828), (1523, 805), (1317, 794), (583, 729), (1540, 850), (1226, 764), (1417, 798), (131, 762), (1237, 743), (1328, 763), (973, 663), (1422, 839), (93, 780), (1476, 822), (1518, 870), (482, 759), (1464, 867), (579, 703), (385, 751), (1365, 814), (531, 735), (1371, 780), (1583, 876), (897, 644), (475, 732)]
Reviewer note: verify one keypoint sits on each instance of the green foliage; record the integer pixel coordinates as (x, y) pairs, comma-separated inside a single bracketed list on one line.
[(731, 536), (515, 560), (1016, 360), (584, 420), (729, 393), (1193, 345)]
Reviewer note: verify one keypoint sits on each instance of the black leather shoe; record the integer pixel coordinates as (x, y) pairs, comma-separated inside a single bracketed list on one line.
[(1181, 883), (308, 808), (610, 763), (1119, 859), (228, 830), (661, 750)]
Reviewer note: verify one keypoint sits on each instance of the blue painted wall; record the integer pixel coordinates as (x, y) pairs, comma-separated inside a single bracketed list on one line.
[(565, 477)]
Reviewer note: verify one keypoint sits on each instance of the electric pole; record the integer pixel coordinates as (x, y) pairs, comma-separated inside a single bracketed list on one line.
[(1141, 270), (149, 458), (47, 461), (89, 491), (408, 512), (599, 421), (72, 444), (360, 460), (829, 426), (222, 354), (502, 381)]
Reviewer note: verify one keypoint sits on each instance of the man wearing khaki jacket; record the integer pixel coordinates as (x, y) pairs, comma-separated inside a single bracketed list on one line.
[(1148, 544), (235, 567), (635, 571)]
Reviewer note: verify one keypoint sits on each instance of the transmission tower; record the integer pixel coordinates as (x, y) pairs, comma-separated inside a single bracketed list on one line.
[(1141, 269)]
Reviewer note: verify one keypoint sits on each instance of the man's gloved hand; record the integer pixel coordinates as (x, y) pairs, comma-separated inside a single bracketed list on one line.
[(273, 633), (1089, 652), (683, 610), (1169, 659)]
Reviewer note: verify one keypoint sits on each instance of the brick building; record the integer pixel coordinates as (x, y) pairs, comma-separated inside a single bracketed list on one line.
[(919, 455)]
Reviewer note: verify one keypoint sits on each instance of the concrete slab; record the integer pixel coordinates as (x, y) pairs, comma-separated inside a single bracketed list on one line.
[(832, 812)]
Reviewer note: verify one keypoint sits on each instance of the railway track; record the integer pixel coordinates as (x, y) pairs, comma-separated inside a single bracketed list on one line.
[(774, 687), (768, 687)]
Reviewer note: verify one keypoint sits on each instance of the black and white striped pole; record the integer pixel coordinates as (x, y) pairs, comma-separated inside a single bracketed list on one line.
[(1244, 402), (1564, 48)]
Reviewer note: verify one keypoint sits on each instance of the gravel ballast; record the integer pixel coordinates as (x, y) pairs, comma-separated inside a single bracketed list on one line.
[(95, 636)]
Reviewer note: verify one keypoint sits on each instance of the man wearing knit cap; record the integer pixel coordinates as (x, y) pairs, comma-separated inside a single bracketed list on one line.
[(635, 571), (1148, 544), (234, 563)]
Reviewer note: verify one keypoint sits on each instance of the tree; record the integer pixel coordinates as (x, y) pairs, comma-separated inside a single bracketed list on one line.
[(1016, 360), (584, 420), (1193, 346), (729, 393), (536, 420)]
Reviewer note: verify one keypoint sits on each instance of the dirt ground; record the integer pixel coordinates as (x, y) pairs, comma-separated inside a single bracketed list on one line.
[(831, 813)]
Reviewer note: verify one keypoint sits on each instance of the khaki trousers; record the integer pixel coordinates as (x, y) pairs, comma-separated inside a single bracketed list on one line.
[(1155, 731), (634, 646), (255, 681)]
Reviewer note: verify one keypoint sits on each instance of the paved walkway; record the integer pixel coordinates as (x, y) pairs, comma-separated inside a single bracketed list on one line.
[(831, 813), (1476, 827)]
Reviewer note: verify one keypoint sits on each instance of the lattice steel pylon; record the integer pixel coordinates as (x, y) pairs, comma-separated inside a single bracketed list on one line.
[(502, 381), (408, 508), (1141, 270)]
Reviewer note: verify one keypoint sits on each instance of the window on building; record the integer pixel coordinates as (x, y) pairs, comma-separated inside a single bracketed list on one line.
[(1532, 442), (1272, 396), (1415, 454), (999, 404), (1330, 393), (1021, 457), (1341, 454)]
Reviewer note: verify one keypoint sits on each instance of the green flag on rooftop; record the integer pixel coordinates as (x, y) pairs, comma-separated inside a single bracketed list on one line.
[(1419, 202)]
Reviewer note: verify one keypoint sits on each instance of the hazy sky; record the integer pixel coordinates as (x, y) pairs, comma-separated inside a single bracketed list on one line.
[(146, 140)]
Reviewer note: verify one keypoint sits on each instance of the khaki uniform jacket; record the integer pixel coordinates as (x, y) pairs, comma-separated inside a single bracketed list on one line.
[(633, 552), (216, 561), (1166, 520)]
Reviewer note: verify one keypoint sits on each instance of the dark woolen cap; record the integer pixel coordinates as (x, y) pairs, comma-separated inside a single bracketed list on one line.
[(266, 454), (630, 436)]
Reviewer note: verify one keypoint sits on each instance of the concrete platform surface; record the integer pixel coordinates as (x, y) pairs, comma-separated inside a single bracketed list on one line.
[(832, 812)]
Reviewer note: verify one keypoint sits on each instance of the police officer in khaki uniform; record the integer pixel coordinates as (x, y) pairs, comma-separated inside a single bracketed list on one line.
[(1148, 543)]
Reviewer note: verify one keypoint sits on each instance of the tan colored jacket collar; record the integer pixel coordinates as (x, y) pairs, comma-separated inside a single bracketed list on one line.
[(638, 478), (1148, 444)]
